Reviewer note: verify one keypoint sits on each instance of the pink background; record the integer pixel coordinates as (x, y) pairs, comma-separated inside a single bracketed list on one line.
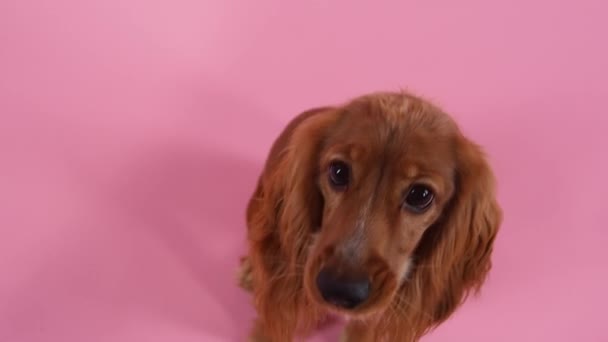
[(132, 131)]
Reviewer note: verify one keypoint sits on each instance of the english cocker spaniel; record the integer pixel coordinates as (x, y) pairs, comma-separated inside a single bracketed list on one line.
[(380, 211)]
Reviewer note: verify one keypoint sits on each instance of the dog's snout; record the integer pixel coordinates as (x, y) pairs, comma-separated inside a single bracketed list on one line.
[(342, 291)]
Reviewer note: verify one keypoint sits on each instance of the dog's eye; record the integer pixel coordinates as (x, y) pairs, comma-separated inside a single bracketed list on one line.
[(339, 175), (419, 198)]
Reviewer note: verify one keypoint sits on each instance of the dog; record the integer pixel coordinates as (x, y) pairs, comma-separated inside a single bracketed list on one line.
[(378, 210)]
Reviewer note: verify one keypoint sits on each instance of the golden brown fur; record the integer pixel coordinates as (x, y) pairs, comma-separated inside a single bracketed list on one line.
[(422, 265)]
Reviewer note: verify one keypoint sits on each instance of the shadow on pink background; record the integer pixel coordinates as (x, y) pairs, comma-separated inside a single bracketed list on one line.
[(132, 133)]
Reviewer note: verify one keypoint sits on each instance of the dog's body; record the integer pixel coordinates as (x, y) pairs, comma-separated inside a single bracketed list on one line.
[(379, 210)]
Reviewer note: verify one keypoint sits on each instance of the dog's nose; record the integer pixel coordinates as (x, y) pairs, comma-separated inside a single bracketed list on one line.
[(344, 292)]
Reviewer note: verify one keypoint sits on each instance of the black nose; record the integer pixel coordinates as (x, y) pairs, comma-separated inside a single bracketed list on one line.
[(345, 292)]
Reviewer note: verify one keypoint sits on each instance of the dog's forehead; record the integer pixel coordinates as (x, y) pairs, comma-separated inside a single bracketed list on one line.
[(407, 128)]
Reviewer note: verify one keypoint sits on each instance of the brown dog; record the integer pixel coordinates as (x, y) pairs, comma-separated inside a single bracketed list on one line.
[(380, 211)]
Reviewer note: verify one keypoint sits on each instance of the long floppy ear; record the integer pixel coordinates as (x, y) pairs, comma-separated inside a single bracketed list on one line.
[(283, 212), (453, 258)]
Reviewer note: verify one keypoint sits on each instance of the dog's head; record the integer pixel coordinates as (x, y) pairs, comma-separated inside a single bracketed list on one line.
[(382, 202)]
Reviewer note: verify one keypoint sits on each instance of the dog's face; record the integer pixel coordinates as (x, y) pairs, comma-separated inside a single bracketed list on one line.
[(379, 209), (386, 173)]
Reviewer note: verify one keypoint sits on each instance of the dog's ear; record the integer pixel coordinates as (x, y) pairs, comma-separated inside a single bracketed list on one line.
[(285, 209), (453, 257), (477, 215), (287, 197)]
